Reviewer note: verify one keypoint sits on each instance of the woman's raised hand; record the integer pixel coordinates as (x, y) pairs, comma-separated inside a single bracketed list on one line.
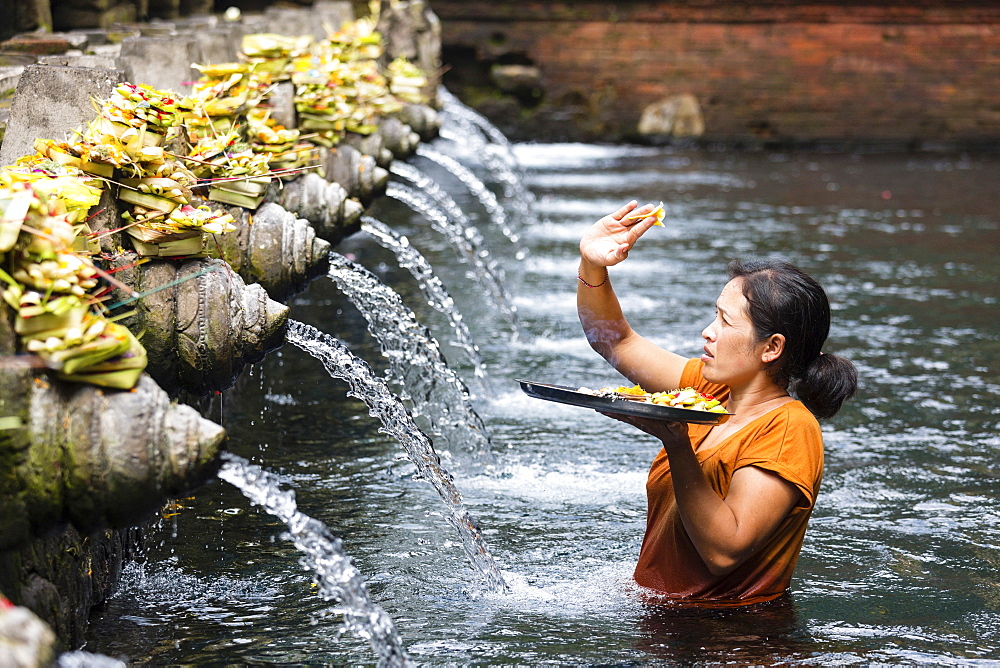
[(609, 240)]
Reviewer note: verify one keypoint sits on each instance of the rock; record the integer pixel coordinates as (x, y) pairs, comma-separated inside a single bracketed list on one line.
[(162, 62), (25, 640), (60, 577), (50, 102), (675, 116)]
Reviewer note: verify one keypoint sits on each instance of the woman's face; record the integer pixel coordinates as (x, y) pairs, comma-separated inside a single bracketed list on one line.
[(732, 354)]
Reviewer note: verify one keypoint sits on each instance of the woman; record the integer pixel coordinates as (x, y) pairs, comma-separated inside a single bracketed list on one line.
[(728, 504)]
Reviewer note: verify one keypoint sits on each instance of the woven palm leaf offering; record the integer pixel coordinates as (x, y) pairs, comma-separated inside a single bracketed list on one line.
[(181, 233), (287, 155), (357, 40), (224, 94), (321, 102), (67, 191), (333, 97), (234, 173), (407, 81), (271, 53), (162, 222), (52, 290), (140, 115)]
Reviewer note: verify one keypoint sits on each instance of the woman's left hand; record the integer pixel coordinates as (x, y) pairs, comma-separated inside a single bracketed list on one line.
[(671, 434)]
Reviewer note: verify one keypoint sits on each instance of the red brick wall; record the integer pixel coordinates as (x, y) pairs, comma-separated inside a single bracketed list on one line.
[(919, 71)]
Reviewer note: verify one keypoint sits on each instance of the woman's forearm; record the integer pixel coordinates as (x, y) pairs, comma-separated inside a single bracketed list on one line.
[(708, 520), (726, 531), (601, 315)]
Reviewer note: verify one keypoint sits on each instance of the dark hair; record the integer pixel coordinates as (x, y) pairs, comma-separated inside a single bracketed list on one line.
[(783, 299)]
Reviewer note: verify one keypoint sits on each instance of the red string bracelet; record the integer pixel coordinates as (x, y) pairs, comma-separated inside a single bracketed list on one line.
[(592, 286)]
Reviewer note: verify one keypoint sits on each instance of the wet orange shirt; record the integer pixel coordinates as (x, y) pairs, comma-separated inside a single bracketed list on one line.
[(786, 441)]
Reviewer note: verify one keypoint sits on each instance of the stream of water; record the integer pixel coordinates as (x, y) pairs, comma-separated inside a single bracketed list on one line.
[(900, 564)]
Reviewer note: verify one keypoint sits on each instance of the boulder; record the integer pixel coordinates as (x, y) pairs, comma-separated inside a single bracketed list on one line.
[(674, 116), (50, 102)]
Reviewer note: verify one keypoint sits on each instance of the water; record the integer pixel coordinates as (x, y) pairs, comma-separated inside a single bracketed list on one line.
[(433, 289), (323, 553), (465, 239), (899, 565), (479, 190), (416, 363), (341, 363), (466, 128)]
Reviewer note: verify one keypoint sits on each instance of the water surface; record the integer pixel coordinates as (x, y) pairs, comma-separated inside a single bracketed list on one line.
[(900, 563)]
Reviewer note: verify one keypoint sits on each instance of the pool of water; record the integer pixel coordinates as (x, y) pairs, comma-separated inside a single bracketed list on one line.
[(900, 563)]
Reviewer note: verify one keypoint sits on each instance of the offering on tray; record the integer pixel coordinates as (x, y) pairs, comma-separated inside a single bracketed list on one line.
[(687, 398), (683, 405)]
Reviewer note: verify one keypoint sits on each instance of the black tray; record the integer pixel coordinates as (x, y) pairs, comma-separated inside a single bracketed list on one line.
[(568, 395)]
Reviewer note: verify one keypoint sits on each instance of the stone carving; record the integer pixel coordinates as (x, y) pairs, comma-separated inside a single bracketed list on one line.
[(372, 145), (201, 322), (356, 172), (398, 137), (422, 119), (324, 204), (94, 458), (272, 247)]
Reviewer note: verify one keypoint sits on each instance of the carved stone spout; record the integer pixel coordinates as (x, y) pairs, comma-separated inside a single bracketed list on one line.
[(373, 145), (422, 119), (358, 173), (325, 204), (202, 323), (398, 137), (94, 458), (273, 247)]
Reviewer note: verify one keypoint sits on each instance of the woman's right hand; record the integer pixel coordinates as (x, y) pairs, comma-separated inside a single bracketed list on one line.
[(609, 240)]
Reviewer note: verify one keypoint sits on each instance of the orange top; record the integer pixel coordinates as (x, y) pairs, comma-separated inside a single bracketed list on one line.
[(786, 441)]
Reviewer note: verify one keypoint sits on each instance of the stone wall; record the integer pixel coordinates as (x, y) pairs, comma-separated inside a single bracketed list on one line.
[(914, 73)]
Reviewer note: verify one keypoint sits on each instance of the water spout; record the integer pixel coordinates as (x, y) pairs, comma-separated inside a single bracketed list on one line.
[(323, 553), (397, 422), (430, 285), (416, 363), (484, 269), (464, 126), (479, 190)]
